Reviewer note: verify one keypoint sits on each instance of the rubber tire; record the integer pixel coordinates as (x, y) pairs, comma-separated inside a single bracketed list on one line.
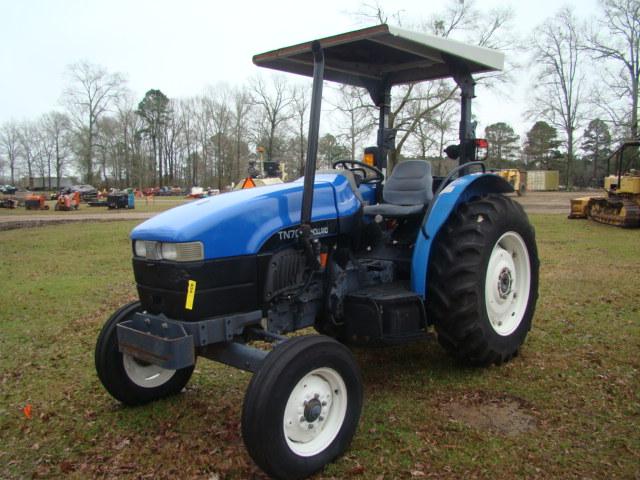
[(266, 399), (112, 374), (457, 271)]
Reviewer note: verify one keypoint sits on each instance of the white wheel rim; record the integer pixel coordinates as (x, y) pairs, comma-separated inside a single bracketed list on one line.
[(146, 375), (507, 283), (315, 412)]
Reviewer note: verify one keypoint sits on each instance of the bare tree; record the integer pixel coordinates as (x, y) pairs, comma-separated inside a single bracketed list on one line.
[(435, 131), (272, 101), (443, 122), (424, 138), (10, 144), (616, 37), (129, 124), (171, 141), (374, 11), (417, 102), (90, 95), (187, 112), (106, 131), (44, 155), (356, 116), (300, 107), (221, 116), (28, 138), (559, 82), (203, 129), (241, 110), (57, 128)]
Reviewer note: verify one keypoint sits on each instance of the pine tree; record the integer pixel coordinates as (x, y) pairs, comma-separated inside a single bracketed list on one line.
[(597, 146), (541, 145), (503, 144)]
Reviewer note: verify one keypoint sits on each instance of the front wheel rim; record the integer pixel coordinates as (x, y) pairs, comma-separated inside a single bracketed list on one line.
[(146, 375), (315, 412), (507, 283)]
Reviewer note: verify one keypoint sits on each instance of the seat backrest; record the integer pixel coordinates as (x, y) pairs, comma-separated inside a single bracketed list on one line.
[(410, 183)]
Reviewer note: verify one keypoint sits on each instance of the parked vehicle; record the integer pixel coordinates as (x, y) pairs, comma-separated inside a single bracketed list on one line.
[(119, 200), (68, 201), (87, 192), (620, 206), (36, 202)]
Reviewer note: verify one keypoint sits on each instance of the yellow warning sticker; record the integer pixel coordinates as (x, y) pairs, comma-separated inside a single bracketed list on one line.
[(191, 293)]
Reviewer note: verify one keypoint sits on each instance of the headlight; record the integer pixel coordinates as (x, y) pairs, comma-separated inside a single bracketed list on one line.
[(173, 252), (169, 251), (140, 248)]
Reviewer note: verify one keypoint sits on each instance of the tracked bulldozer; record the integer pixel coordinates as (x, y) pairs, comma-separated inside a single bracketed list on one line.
[(621, 204)]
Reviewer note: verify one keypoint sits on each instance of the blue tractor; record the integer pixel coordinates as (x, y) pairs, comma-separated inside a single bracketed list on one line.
[(363, 257)]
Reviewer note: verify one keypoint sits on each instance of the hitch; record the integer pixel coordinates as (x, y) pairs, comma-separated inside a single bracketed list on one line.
[(174, 344)]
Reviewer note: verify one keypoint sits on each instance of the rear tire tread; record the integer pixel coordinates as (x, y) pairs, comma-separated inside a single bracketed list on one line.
[(454, 293)]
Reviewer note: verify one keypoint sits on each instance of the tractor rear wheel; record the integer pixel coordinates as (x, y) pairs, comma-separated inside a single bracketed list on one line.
[(128, 379), (302, 408), (483, 280)]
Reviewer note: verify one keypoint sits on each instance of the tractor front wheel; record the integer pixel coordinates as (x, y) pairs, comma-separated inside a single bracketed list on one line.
[(302, 408), (128, 379), (483, 280)]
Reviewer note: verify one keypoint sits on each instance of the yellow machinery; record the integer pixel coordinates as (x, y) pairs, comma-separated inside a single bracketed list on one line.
[(621, 205), (517, 179)]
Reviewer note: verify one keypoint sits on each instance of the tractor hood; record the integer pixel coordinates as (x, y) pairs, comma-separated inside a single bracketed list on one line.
[(240, 222)]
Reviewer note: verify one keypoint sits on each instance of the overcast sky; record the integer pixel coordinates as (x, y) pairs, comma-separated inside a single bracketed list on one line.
[(181, 46)]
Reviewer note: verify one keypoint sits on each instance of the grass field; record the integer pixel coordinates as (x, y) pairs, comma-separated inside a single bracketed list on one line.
[(567, 407)]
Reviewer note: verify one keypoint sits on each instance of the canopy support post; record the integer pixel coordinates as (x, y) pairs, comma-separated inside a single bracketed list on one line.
[(314, 128), (380, 93), (310, 245), (467, 128)]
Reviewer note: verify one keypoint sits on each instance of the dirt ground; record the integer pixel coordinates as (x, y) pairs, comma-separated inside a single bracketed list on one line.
[(533, 202), (550, 202), (500, 415), (25, 221)]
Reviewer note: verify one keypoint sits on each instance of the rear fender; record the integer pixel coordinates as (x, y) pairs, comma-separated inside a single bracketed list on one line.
[(459, 191)]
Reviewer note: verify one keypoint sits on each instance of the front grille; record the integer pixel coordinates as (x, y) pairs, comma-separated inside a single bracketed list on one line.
[(190, 252)]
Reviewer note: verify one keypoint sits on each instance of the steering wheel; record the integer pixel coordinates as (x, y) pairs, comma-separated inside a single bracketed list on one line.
[(355, 166)]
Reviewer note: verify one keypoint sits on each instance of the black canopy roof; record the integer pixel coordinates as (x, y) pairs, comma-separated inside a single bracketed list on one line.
[(384, 54)]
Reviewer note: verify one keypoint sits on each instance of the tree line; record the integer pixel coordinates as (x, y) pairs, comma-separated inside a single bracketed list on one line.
[(583, 99), (584, 95)]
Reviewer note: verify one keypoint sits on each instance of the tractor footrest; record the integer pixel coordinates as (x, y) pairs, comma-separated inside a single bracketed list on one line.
[(384, 314), (164, 343)]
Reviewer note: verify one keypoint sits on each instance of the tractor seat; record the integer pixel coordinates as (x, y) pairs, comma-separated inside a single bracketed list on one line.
[(406, 192)]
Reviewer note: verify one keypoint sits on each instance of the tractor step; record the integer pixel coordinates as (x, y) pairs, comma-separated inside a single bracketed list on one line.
[(384, 314)]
